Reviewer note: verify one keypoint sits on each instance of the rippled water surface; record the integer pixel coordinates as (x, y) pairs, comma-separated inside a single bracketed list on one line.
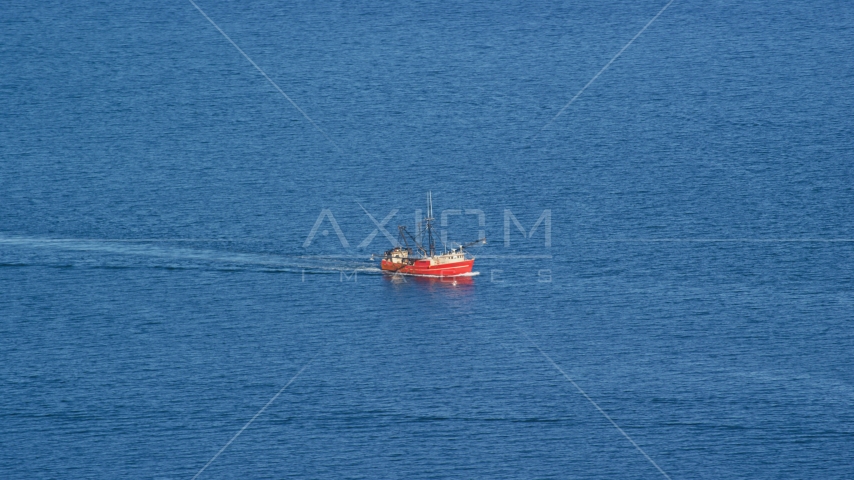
[(163, 275)]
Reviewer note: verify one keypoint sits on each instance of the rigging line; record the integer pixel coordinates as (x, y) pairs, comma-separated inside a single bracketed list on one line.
[(266, 76), (596, 405), (603, 69), (256, 415)]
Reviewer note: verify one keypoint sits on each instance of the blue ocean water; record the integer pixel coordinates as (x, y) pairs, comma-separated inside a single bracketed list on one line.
[(692, 272)]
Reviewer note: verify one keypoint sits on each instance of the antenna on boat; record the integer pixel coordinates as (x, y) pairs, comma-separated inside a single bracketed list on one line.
[(430, 223)]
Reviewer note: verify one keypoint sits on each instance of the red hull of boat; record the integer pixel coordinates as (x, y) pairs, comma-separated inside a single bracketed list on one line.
[(422, 267)]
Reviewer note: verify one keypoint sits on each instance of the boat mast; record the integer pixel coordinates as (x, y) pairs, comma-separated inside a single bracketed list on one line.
[(430, 223)]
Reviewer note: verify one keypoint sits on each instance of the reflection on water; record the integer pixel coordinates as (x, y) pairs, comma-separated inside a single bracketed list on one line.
[(460, 283)]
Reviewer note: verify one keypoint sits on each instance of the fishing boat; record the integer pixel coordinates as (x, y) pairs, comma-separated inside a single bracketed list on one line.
[(416, 254)]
